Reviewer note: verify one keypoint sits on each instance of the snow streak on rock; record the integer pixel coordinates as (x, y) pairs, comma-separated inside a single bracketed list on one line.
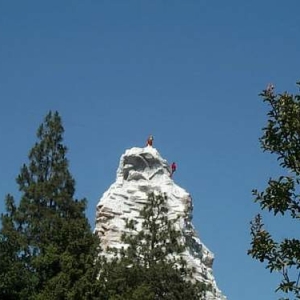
[(142, 171)]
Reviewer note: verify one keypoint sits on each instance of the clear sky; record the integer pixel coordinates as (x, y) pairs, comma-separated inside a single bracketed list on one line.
[(188, 72)]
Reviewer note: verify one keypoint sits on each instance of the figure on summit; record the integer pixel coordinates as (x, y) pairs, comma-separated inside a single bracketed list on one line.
[(173, 168), (150, 140)]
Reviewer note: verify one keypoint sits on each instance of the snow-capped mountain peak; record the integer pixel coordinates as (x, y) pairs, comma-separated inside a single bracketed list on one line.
[(142, 171)]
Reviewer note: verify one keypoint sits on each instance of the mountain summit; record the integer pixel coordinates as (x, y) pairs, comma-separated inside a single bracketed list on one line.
[(142, 171)]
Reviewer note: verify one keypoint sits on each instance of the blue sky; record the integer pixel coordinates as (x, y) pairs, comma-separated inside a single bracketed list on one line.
[(188, 72)]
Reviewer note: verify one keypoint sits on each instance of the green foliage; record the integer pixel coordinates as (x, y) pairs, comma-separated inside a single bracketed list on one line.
[(47, 249), (151, 267), (281, 137), (15, 280)]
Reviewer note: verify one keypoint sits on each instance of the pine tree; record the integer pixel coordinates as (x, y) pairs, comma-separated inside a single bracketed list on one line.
[(151, 267), (48, 234), (14, 277)]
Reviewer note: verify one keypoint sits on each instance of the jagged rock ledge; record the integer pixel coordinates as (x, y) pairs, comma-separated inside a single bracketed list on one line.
[(141, 171)]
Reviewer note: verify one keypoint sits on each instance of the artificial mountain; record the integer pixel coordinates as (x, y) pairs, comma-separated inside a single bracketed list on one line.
[(140, 172)]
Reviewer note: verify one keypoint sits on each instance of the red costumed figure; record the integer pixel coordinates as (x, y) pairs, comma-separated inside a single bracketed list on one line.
[(150, 140), (173, 168)]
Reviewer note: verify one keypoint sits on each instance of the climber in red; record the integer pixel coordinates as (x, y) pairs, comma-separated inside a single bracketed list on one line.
[(150, 140), (173, 168)]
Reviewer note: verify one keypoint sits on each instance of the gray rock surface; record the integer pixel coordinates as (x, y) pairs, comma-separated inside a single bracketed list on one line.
[(141, 171)]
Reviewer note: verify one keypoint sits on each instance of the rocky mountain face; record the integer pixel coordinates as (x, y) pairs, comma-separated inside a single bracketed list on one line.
[(141, 171)]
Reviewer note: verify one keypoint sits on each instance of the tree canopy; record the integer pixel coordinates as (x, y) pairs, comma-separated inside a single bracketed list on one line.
[(47, 248), (281, 137)]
